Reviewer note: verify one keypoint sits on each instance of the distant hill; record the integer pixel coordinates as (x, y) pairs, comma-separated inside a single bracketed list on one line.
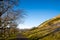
[(48, 30)]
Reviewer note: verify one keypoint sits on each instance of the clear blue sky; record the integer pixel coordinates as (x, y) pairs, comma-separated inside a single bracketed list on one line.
[(38, 11)]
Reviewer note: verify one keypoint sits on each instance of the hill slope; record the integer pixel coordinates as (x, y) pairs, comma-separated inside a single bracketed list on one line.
[(48, 30)]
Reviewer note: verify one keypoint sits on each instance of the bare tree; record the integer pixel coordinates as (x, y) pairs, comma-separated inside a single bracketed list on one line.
[(8, 17)]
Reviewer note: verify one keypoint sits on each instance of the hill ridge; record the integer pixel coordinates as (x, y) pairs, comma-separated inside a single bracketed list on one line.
[(45, 29)]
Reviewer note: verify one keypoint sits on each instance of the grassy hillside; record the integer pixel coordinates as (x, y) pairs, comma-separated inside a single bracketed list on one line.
[(48, 30)]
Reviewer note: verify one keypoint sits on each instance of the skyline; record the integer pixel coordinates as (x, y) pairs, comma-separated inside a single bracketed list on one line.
[(38, 11)]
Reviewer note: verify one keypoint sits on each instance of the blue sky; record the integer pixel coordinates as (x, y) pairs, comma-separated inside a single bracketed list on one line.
[(38, 11)]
